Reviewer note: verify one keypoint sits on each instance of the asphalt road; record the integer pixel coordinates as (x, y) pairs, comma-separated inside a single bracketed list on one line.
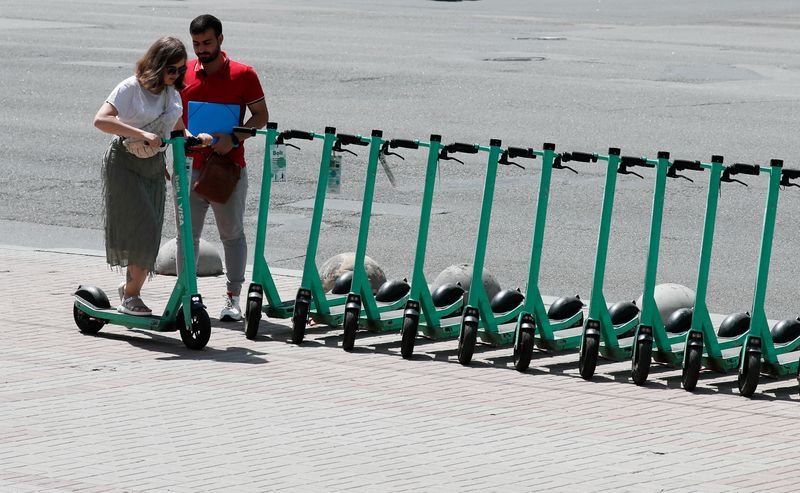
[(692, 78)]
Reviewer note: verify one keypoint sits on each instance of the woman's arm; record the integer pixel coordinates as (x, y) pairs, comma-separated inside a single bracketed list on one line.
[(107, 121)]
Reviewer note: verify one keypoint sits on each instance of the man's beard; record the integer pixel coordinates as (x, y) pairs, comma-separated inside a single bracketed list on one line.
[(208, 58)]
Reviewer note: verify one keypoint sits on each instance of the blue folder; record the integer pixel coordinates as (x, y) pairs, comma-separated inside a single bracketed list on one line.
[(212, 117)]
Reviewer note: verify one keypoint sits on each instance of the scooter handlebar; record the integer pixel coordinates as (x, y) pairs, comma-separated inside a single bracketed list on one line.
[(297, 134), (790, 174), (348, 139), (583, 157), (683, 164), (404, 143), (461, 147), (520, 152), (246, 130), (634, 161), (744, 169)]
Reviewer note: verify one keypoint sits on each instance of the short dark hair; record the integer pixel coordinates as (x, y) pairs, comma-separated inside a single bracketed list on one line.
[(150, 68), (203, 23)]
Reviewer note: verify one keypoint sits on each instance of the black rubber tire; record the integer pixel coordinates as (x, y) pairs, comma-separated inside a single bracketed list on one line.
[(640, 363), (691, 368), (523, 352), (749, 374), (86, 324), (197, 336), (299, 321), (408, 336), (252, 318), (587, 362), (466, 343), (350, 326)]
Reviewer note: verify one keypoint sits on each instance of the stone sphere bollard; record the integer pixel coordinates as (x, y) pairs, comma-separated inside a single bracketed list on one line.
[(209, 262), (670, 297), (332, 268), (462, 273)]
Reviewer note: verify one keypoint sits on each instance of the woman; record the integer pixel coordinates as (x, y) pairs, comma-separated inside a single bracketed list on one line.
[(139, 112)]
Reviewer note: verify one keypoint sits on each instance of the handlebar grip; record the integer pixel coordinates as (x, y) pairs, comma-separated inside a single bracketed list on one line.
[(297, 134), (791, 174), (175, 134), (682, 164), (583, 157), (348, 139), (404, 143), (745, 169), (461, 147), (193, 141), (520, 152), (246, 130), (633, 161)]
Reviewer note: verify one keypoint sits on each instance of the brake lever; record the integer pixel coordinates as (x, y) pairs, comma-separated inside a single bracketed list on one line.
[(338, 148), (444, 157), (622, 170), (504, 161), (292, 145), (386, 152), (557, 164), (674, 174)]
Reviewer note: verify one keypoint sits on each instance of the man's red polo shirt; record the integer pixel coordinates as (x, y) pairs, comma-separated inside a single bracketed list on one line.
[(234, 83)]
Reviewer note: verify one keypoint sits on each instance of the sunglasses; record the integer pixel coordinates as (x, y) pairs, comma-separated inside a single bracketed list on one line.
[(172, 70)]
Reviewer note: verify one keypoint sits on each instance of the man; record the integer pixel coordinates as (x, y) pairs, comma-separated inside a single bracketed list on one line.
[(214, 78)]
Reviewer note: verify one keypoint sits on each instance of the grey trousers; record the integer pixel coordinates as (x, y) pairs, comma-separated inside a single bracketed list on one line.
[(229, 218)]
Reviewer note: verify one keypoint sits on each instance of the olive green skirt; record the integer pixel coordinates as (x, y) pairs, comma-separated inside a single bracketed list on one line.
[(134, 195)]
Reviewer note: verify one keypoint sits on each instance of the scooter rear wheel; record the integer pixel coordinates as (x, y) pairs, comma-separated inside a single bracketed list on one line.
[(350, 326), (86, 324), (691, 368), (409, 336), (640, 363), (466, 343), (252, 317), (749, 374), (197, 335), (590, 351), (299, 321), (523, 352)]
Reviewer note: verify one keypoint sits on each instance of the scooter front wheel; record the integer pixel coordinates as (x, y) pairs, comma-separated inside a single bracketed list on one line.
[(749, 373), (640, 364), (691, 368), (86, 324), (197, 335), (350, 326), (252, 317), (590, 351), (408, 336), (466, 343), (299, 321), (523, 352)]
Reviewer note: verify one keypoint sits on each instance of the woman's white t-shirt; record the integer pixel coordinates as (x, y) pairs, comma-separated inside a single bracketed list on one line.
[(136, 106)]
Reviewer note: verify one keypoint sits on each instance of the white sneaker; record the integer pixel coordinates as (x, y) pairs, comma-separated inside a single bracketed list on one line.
[(231, 311)]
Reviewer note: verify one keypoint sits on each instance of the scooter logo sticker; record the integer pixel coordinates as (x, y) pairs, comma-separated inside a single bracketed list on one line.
[(278, 160), (335, 174)]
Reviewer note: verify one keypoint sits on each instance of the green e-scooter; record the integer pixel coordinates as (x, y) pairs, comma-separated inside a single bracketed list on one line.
[(777, 349), (185, 309)]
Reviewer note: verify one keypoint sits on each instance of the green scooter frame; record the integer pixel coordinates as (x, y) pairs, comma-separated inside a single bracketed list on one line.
[(650, 324), (434, 324), (311, 300), (92, 309), (373, 318), (361, 303), (534, 327), (778, 359), (263, 284), (479, 319)]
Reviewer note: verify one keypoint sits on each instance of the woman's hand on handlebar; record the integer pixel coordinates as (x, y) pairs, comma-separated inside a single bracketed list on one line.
[(152, 140)]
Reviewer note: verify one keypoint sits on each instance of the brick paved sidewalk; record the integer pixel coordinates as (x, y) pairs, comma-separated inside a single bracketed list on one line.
[(131, 410)]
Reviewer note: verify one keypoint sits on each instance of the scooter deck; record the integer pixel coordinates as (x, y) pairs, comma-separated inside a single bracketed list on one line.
[(503, 336), (112, 316), (284, 310)]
